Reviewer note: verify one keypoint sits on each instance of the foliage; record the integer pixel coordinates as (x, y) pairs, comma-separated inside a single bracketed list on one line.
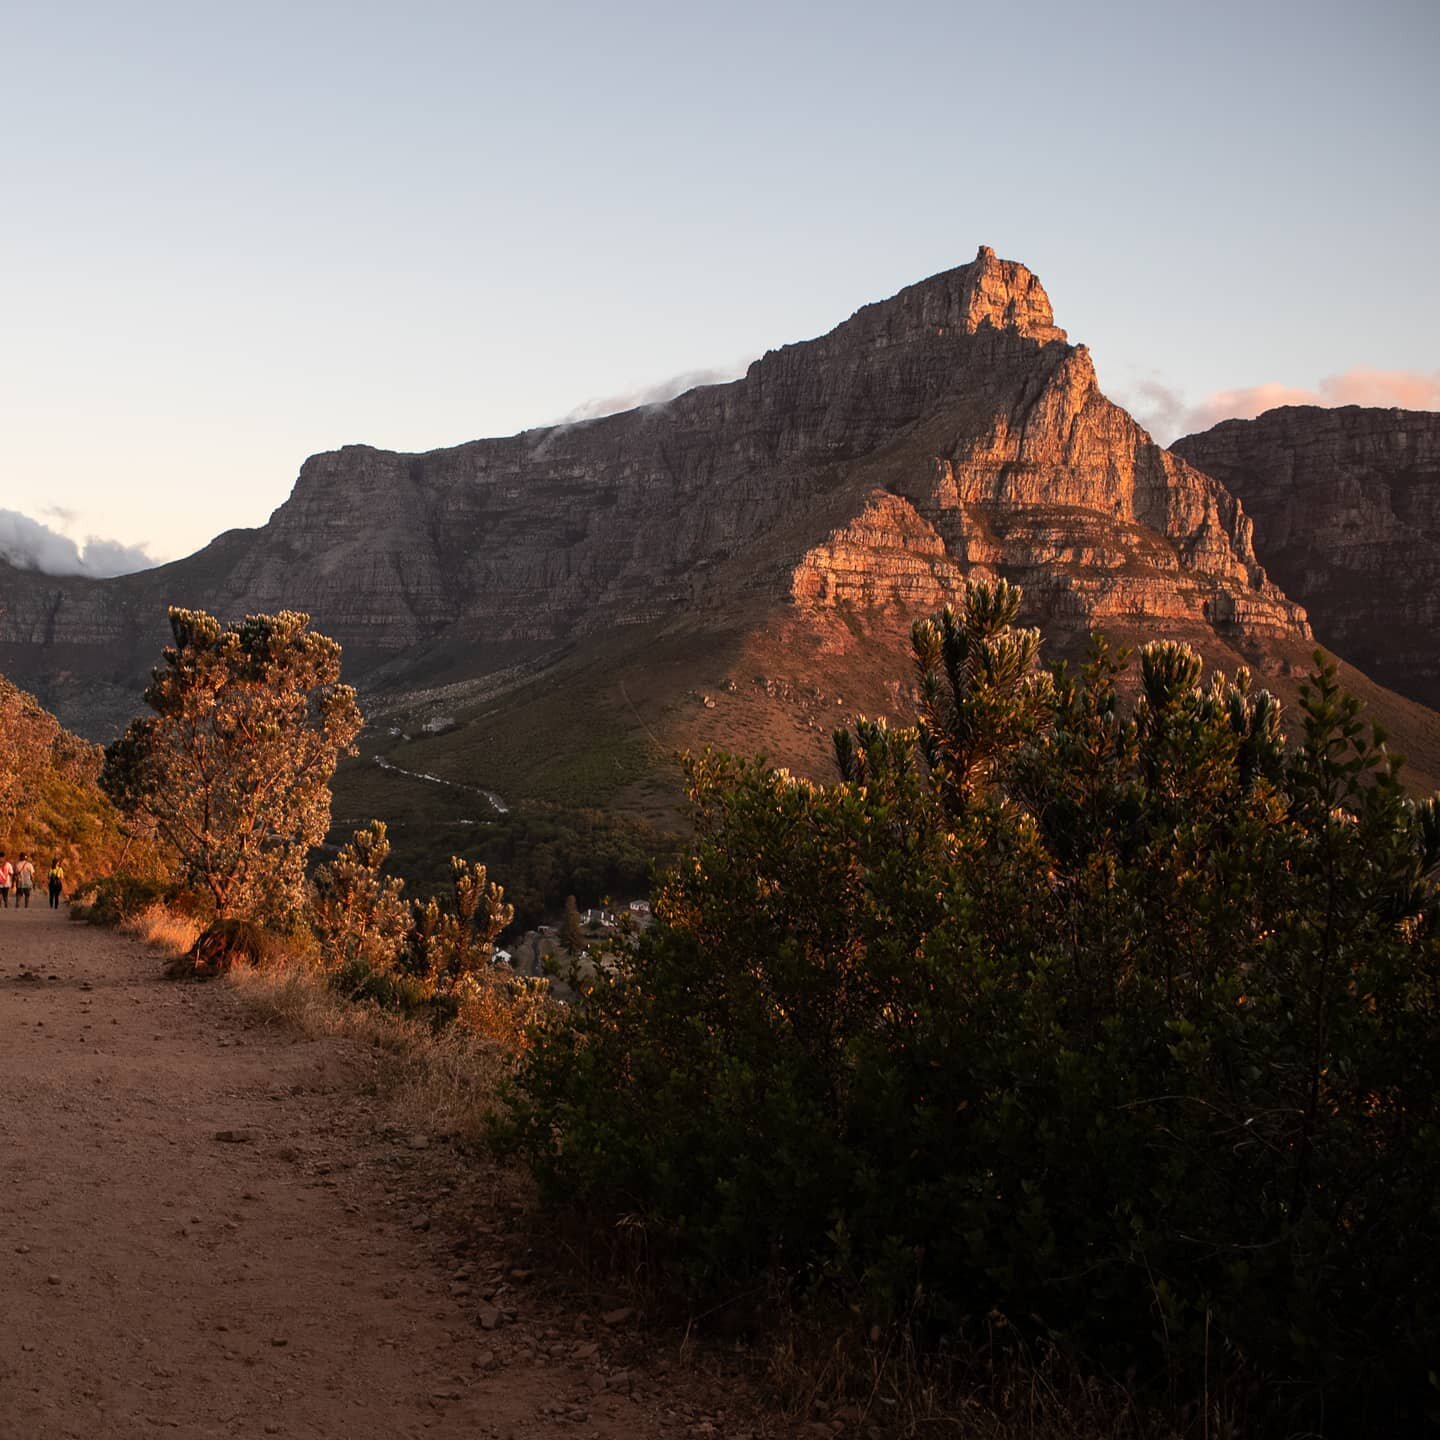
[(390, 989), (548, 853), (544, 852), (233, 767), (32, 741), (114, 899), (1122, 1026), (448, 943), (980, 694), (357, 912), (509, 1010), (433, 958), (449, 952), (540, 852), (50, 803)]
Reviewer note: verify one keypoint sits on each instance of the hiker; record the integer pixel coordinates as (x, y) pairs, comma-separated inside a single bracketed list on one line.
[(24, 880), (7, 874), (57, 882)]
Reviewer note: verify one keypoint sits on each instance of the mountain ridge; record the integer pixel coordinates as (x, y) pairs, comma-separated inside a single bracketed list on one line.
[(949, 430)]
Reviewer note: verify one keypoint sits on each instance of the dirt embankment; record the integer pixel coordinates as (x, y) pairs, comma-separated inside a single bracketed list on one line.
[(208, 1231)]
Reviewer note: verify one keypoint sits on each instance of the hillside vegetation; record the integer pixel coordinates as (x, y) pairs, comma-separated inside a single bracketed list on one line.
[(50, 801), (544, 852), (1091, 1013), (1107, 1022)]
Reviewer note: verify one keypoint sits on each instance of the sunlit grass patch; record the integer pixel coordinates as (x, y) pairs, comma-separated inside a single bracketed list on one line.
[(444, 1082), (169, 931)]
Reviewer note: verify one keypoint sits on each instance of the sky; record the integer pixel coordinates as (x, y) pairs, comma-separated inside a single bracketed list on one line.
[(234, 235)]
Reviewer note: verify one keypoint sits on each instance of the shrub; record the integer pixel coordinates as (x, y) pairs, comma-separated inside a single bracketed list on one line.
[(1125, 1028), (504, 1008), (432, 960), (114, 899), (390, 989), (357, 913), (448, 943), (227, 945)]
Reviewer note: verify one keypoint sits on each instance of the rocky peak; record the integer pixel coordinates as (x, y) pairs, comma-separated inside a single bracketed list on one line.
[(1001, 294)]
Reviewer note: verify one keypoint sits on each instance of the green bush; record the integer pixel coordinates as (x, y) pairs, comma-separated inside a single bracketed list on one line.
[(425, 959), (391, 989), (116, 898), (1123, 1025), (448, 943)]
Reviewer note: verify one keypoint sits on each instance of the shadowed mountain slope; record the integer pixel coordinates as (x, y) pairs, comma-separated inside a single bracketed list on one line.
[(1346, 505)]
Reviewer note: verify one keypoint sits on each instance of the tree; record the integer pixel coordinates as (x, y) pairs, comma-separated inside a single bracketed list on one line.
[(571, 935), (233, 768), (982, 693)]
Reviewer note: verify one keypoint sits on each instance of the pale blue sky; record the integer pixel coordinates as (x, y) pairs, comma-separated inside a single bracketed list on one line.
[(232, 235)]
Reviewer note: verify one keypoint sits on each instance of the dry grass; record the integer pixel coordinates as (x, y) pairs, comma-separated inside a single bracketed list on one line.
[(166, 930), (445, 1083), (991, 1391)]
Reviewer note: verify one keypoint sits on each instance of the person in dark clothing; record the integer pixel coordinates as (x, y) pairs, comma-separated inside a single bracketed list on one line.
[(57, 882)]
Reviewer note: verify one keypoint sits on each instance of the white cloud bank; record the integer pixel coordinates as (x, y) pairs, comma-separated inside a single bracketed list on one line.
[(31, 545), (1165, 414)]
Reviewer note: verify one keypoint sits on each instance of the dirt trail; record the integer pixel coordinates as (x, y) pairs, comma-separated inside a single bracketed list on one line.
[(206, 1234)]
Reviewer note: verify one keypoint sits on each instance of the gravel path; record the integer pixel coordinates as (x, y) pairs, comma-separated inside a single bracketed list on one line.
[(207, 1231)]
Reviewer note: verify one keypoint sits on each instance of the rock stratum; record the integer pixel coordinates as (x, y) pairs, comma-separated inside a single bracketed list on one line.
[(1346, 504), (947, 432)]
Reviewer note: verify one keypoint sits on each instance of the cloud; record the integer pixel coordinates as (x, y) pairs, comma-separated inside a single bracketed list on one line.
[(660, 393), (1157, 407), (1397, 389), (1163, 411), (1243, 405), (30, 545)]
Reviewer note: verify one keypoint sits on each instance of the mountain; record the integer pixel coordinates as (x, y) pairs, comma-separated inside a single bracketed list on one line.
[(1346, 504), (553, 613)]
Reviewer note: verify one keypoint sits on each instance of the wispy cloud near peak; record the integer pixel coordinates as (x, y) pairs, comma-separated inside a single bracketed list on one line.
[(660, 393)]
